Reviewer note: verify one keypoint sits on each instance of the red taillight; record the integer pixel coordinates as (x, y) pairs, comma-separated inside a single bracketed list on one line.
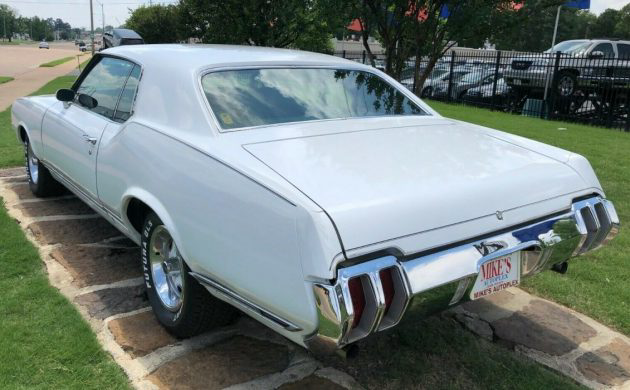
[(387, 281), (358, 299)]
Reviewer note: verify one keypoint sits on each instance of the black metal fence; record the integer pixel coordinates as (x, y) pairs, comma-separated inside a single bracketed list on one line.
[(592, 89)]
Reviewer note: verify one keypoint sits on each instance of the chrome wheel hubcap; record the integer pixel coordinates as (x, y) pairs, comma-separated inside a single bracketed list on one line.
[(33, 165), (566, 86), (167, 269)]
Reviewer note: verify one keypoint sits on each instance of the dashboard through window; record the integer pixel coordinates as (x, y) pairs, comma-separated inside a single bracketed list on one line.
[(258, 97)]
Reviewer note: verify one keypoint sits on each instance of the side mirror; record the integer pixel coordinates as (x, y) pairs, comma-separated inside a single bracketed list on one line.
[(65, 95), (597, 54), (87, 101)]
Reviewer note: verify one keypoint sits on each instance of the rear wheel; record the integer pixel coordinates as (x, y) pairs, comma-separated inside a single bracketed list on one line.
[(426, 92), (40, 181), (180, 303)]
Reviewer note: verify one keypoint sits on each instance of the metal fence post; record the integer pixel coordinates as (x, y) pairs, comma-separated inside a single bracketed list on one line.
[(363, 57), (496, 78), (450, 77), (551, 108), (343, 54), (627, 128)]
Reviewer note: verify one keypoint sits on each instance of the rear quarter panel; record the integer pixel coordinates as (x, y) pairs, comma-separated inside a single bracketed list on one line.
[(227, 226)]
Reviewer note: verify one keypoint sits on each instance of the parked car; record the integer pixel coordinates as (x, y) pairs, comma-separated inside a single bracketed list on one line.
[(582, 61), (44, 45), (483, 94), (438, 87), (121, 36), (316, 194), (82, 46), (463, 84)]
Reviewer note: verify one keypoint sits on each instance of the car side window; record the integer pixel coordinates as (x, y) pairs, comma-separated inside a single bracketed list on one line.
[(105, 82), (125, 105), (605, 48), (624, 51)]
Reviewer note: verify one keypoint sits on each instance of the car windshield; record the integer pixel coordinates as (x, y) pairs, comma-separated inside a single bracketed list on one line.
[(258, 97), (571, 47)]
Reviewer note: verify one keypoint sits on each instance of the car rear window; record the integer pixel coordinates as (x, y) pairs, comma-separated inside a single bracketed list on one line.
[(258, 97)]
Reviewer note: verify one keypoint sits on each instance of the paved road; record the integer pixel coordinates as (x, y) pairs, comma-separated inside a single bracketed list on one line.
[(22, 63)]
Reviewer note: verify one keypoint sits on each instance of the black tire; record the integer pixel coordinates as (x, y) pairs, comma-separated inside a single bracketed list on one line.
[(40, 181), (426, 92), (198, 311), (566, 85)]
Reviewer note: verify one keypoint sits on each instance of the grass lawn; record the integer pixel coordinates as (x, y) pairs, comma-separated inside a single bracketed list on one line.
[(56, 62), (5, 79), (597, 284), (44, 342)]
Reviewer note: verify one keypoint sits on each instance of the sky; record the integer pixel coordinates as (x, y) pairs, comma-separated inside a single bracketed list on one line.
[(77, 12)]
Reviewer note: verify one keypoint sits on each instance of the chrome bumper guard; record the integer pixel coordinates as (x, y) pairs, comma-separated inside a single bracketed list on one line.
[(445, 278)]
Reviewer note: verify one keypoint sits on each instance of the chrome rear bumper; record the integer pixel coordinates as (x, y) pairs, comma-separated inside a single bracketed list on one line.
[(444, 278)]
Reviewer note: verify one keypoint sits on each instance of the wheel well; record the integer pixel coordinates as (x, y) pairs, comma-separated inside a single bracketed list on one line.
[(137, 212), (22, 133)]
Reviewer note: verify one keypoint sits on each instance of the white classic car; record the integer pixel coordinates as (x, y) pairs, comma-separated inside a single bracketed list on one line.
[(316, 194)]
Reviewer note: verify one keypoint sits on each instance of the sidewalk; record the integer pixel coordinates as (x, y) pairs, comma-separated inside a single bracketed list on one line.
[(27, 82)]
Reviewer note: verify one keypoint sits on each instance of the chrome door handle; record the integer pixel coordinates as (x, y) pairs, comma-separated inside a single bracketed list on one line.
[(89, 139)]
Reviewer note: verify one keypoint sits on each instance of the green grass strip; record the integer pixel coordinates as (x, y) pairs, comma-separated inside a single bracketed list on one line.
[(56, 62), (44, 342), (5, 79)]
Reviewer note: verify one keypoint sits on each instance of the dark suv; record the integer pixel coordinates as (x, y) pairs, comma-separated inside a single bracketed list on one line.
[(120, 37)]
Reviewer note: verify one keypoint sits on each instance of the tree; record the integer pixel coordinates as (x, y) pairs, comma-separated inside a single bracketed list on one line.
[(8, 18), (622, 28), (155, 23), (275, 23), (604, 26)]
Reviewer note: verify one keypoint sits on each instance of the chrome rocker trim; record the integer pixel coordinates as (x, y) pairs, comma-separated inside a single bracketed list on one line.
[(445, 278), (224, 293)]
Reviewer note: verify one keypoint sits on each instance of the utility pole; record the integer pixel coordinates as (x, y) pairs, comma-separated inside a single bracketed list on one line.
[(92, 25), (553, 43), (5, 25), (103, 16)]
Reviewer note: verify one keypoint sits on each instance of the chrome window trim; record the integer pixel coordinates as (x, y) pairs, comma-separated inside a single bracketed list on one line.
[(207, 71), (83, 74)]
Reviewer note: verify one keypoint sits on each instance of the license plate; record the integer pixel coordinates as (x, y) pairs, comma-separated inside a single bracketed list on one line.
[(517, 82), (496, 275)]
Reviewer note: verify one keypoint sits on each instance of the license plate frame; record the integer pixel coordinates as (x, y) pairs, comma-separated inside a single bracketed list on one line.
[(497, 274)]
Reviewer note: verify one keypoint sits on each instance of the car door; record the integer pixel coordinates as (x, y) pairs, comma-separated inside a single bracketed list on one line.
[(71, 132)]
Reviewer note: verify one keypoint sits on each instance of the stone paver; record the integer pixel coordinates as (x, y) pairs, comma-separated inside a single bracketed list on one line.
[(22, 191), (12, 172), (105, 303), (98, 265), (543, 327), (73, 231), (609, 365), (227, 363), (140, 334), (311, 382), (64, 206)]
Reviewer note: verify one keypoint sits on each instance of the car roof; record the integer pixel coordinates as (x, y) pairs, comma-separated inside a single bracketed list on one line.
[(194, 56), (125, 33)]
